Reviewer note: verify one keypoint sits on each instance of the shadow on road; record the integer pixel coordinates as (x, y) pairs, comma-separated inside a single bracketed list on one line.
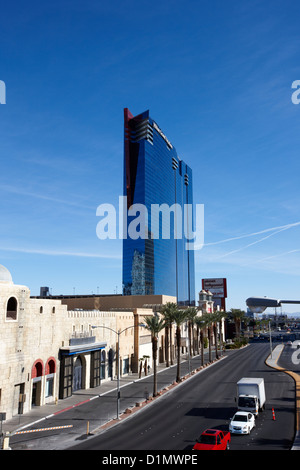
[(217, 412)]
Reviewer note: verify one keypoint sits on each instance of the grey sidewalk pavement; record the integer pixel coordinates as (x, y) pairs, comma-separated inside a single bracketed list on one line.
[(274, 356), (40, 413)]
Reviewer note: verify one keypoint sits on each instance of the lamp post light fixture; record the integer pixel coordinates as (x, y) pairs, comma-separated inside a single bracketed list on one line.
[(118, 333)]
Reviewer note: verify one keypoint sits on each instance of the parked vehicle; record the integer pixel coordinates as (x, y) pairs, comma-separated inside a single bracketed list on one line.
[(242, 423), (213, 439), (251, 395)]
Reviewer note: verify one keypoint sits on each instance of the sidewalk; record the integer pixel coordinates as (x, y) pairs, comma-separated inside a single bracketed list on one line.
[(40, 413)]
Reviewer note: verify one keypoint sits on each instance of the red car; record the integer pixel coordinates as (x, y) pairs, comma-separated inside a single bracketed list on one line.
[(213, 439)]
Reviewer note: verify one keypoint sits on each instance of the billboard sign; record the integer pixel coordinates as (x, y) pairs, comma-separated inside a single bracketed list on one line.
[(217, 286)]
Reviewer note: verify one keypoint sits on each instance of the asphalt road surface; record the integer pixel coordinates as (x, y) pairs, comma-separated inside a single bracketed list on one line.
[(173, 422)]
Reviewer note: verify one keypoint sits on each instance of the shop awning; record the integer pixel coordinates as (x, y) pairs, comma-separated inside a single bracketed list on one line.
[(81, 348)]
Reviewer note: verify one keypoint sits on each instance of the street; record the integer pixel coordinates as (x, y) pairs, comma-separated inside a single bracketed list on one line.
[(207, 400), (175, 420)]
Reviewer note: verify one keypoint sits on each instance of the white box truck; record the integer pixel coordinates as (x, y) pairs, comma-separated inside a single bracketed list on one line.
[(251, 395)]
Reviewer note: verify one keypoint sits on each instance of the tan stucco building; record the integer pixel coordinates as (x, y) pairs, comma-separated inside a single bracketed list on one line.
[(50, 347)]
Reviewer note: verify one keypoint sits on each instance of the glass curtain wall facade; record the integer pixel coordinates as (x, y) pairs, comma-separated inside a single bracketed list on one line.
[(153, 174)]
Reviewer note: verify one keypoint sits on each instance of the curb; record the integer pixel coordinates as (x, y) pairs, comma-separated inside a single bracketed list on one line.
[(273, 363), (129, 412)]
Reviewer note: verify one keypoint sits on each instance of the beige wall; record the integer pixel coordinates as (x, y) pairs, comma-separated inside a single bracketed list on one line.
[(43, 327), (35, 335)]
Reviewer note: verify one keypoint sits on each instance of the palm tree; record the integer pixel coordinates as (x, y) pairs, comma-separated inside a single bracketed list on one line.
[(178, 316), (191, 314), (221, 315), (237, 316), (154, 324), (201, 325), (166, 312), (208, 318), (213, 318), (217, 319)]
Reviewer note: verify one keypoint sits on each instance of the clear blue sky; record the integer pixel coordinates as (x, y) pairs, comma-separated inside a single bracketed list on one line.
[(215, 75)]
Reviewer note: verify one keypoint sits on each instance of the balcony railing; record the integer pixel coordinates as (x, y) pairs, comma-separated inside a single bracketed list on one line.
[(81, 337)]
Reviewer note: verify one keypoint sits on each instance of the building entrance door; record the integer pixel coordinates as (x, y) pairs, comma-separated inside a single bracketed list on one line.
[(77, 376), (36, 392)]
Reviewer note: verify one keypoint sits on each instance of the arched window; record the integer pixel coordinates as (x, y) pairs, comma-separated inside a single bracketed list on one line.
[(11, 311), (49, 372), (37, 369), (50, 366)]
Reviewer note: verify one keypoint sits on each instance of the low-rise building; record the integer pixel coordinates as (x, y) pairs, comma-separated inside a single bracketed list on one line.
[(49, 351), (53, 346)]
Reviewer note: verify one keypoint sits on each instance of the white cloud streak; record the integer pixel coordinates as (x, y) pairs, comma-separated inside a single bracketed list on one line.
[(61, 253), (21, 192)]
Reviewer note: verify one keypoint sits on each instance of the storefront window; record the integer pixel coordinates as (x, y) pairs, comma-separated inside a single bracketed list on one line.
[(49, 386)]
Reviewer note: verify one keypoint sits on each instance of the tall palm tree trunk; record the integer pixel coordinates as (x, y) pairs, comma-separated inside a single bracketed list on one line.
[(202, 347), (171, 344), (178, 337), (154, 353), (167, 346), (216, 339), (209, 344)]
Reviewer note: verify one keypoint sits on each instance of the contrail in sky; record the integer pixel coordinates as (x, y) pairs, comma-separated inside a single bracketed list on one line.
[(274, 256), (254, 243), (278, 229)]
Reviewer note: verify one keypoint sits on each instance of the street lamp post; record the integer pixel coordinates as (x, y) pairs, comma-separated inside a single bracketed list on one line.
[(270, 334), (118, 333)]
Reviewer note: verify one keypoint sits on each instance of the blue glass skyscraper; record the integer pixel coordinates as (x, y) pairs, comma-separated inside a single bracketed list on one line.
[(154, 176)]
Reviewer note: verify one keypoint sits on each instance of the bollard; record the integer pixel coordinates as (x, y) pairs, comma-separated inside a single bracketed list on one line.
[(88, 428), (5, 445), (273, 414)]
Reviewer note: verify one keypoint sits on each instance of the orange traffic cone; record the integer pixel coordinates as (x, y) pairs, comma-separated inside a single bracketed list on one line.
[(273, 413)]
